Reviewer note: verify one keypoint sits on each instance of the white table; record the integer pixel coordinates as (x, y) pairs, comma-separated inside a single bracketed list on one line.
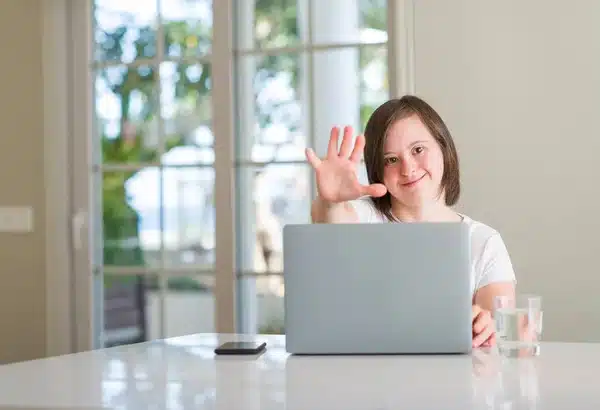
[(183, 373)]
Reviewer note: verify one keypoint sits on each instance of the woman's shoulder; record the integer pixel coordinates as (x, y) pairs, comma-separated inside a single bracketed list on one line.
[(485, 239), (480, 232), (491, 259)]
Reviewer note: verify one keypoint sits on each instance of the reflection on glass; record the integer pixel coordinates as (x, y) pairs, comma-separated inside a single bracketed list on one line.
[(187, 26), (124, 31), (270, 309), (126, 309), (274, 195), (126, 108), (273, 129), (269, 24), (284, 23), (145, 228), (374, 81), (350, 21), (130, 215), (186, 110), (189, 217), (269, 198), (189, 305)]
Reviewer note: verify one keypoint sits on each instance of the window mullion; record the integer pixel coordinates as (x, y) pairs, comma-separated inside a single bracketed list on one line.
[(162, 277), (400, 24)]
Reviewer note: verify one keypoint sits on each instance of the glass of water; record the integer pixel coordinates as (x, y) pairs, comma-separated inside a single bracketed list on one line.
[(518, 322)]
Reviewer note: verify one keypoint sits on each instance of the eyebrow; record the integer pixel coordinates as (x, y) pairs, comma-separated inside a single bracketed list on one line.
[(411, 145)]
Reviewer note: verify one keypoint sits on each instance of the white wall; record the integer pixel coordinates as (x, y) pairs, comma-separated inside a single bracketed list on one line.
[(519, 85)]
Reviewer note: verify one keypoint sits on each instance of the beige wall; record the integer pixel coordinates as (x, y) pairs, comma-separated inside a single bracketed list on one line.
[(519, 84), (22, 289)]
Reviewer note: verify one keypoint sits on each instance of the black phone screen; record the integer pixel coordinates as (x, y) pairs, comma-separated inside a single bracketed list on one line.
[(240, 348)]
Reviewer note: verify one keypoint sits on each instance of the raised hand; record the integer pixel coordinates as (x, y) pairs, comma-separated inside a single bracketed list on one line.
[(336, 173)]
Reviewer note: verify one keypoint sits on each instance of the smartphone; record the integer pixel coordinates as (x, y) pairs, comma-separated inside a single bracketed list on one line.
[(241, 348)]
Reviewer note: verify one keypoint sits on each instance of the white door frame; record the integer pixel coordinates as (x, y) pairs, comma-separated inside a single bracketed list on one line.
[(67, 113), (59, 307), (87, 297)]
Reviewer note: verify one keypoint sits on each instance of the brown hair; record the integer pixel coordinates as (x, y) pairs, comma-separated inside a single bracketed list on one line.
[(376, 132)]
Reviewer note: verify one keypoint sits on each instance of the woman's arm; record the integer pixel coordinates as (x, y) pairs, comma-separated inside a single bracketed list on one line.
[(327, 212), (497, 274), (497, 278), (484, 297)]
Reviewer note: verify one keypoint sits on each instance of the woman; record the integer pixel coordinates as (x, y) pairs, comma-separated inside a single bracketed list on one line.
[(413, 172)]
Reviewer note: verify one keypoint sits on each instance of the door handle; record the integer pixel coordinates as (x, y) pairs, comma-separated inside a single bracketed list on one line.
[(77, 226)]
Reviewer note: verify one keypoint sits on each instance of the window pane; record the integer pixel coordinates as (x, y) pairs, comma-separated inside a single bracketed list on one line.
[(270, 305), (189, 306), (269, 197), (349, 21), (187, 26), (374, 80), (270, 23), (124, 30), (189, 217), (126, 108), (186, 111), (272, 108), (131, 218), (262, 303), (127, 312)]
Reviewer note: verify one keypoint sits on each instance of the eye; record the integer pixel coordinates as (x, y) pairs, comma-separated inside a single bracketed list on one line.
[(390, 160), (418, 149)]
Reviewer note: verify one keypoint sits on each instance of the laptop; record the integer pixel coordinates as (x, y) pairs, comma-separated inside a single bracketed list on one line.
[(401, 288)]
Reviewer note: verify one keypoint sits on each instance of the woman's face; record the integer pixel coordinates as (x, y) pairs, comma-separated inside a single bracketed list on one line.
[(413, 163)]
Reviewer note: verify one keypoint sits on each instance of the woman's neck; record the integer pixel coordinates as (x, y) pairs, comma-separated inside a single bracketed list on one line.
[(435, 212)]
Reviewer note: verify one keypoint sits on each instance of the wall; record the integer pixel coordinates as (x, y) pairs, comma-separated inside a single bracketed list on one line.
[(22, 289), (519, 85)]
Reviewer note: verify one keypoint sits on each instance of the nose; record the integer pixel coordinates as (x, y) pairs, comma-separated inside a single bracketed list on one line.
[(408, 167)]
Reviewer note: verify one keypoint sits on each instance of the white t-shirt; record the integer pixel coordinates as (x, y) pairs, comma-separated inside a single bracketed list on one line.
[(490, 261)]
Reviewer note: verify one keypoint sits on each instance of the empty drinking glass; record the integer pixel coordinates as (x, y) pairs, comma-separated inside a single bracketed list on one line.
[(518, 325)]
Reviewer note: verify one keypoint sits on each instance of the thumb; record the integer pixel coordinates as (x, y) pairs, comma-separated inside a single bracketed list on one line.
[(375, 190)]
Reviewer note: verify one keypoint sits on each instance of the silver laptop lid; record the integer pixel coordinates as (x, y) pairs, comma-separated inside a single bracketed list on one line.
[(377, 288)]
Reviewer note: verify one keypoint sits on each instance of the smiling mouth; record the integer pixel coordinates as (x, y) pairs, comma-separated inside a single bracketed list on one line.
[(413, 183)]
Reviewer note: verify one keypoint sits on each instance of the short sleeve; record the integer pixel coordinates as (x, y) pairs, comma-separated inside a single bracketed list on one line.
[(365, 210), (495, 263)]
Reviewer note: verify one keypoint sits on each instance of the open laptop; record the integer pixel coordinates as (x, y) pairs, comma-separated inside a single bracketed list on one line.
[(401, 288)]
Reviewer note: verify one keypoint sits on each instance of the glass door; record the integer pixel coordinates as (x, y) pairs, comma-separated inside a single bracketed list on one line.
[(153, 173), (302, 66), (191, 122)]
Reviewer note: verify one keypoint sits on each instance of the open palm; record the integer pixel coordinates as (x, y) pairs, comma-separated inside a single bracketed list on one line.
[(336, 173)]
